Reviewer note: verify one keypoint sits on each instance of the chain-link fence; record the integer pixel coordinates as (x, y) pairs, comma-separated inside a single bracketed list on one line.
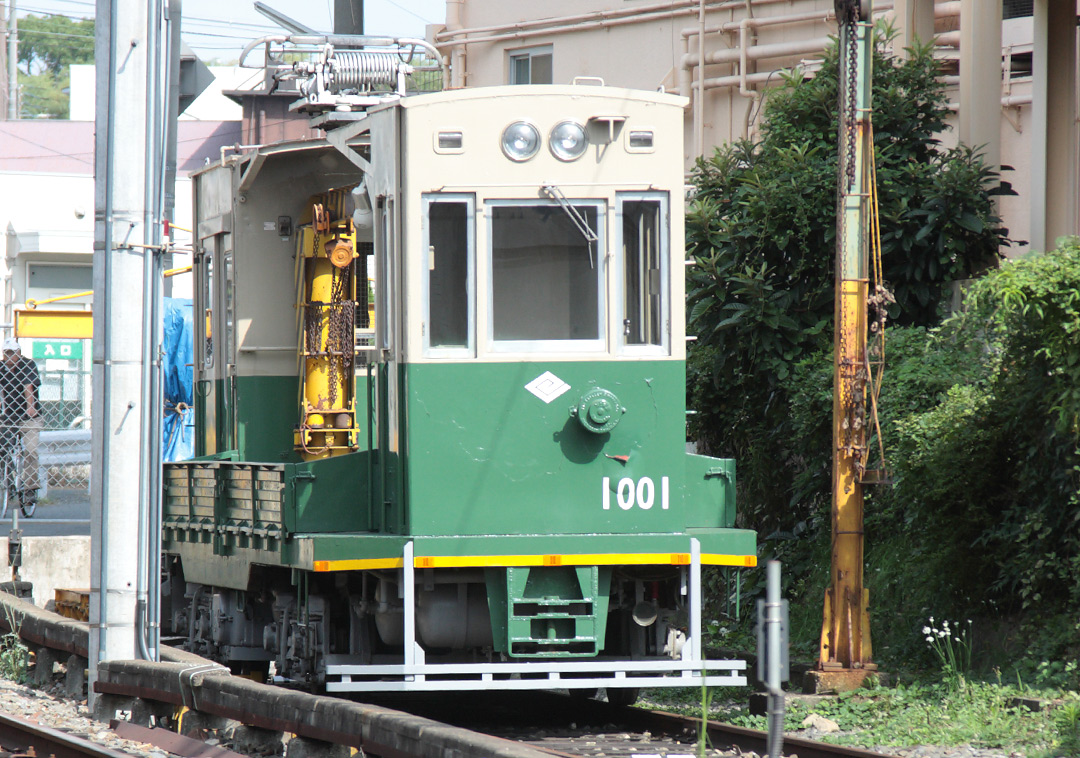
[(54, 376), (64, 444), (45, 395)]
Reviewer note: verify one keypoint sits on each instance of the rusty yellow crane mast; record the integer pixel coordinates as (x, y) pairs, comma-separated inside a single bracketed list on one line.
[(845, 653)]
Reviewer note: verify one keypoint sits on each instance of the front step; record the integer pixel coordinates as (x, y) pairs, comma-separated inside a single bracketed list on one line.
[(549, 611)]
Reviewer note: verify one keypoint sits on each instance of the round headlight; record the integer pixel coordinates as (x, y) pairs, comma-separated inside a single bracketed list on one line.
[(520, 141), (568, 141)]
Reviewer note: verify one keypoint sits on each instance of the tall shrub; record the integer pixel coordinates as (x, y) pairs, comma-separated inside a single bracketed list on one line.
[(997, 464), (761, 228)]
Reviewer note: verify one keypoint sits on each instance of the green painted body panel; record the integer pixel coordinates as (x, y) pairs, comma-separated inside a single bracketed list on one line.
[(330, 495), (264, 425), (709, 491), (203, 562), (548, 611), (486, 456), (204, 396), (486, 469), (265, 413), (348, 547)]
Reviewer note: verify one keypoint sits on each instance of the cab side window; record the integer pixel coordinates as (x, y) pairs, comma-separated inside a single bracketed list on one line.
[(644, 249)]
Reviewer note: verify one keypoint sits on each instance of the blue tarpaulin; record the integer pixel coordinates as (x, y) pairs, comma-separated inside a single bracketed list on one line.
[(178, 429)]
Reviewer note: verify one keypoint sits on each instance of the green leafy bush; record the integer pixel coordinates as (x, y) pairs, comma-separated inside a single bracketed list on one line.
[(997, 464), (762, 230)]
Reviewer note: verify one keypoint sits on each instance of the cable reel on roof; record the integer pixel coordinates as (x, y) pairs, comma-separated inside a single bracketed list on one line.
[(338, 72)]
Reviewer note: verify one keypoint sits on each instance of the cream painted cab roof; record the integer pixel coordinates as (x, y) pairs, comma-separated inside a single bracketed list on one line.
[(614, 94)]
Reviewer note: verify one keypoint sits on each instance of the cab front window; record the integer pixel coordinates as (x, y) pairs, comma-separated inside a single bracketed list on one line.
[(546, 276)]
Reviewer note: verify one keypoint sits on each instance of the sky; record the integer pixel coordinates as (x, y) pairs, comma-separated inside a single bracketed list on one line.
[(219, 29)]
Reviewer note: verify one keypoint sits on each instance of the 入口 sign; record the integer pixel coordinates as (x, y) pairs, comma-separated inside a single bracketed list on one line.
[(62, 349)]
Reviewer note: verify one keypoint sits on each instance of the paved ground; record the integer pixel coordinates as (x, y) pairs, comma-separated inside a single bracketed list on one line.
[(63, 512)]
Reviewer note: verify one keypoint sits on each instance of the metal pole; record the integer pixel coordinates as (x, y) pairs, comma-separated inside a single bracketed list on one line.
[(157, 403), (845, 635), (149, 542), (13, 63), (172, 58), (772, 683), (121, 52), (158, 144)]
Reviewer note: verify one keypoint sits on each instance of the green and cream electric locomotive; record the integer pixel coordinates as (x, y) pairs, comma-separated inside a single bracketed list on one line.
[(440, 401)]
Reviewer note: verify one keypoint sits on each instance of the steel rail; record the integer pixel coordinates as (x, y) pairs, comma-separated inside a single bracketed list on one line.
[(553, 711), (21, 736), (59, 633), (749, 739)]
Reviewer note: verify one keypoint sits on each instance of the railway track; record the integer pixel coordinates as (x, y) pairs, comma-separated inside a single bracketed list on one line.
[(577, 727), (19, 737), (483, 725)]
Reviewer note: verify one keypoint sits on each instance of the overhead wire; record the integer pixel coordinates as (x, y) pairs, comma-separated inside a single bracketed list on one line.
[(76, 156), (200, 20), (187, 29), (45, 147)]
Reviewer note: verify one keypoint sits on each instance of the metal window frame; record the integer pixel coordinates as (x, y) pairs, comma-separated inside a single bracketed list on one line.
[(528, 53), (427, 199), (664, 348), (599, 344), (204, 298)]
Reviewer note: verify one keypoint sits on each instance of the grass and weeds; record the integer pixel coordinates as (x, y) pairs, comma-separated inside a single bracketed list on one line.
[(14, 655), (951, 691), (1033, 709), (983, 714)]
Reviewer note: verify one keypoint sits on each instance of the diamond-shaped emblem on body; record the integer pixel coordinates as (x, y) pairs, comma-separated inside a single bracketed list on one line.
[(547, 386)]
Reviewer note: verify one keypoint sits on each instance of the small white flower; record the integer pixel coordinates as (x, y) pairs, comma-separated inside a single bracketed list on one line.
[(930, 639), (931, 619), (926, 630), (941, 633)]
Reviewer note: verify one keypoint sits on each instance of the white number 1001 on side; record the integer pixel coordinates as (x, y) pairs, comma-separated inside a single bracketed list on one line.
[(641, 493)]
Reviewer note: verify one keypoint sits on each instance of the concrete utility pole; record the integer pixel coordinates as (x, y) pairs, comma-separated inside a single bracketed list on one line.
[(3, 62), (13, 63), (348, 16), (124, 53)]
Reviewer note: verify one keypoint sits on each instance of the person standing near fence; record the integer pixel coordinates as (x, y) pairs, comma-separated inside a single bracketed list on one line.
[(19, 382)]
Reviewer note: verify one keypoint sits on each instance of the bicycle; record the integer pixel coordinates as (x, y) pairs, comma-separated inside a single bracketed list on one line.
[(11, 472)]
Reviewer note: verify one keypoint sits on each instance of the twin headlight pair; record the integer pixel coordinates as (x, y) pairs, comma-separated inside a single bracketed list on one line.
[(567, 141)]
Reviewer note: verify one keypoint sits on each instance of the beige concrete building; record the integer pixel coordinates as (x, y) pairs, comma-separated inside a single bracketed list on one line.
[(1010, 65)]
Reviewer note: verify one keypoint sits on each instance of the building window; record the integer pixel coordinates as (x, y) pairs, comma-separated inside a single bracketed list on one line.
[(531, 66), (1018, 8), (45, 280)]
